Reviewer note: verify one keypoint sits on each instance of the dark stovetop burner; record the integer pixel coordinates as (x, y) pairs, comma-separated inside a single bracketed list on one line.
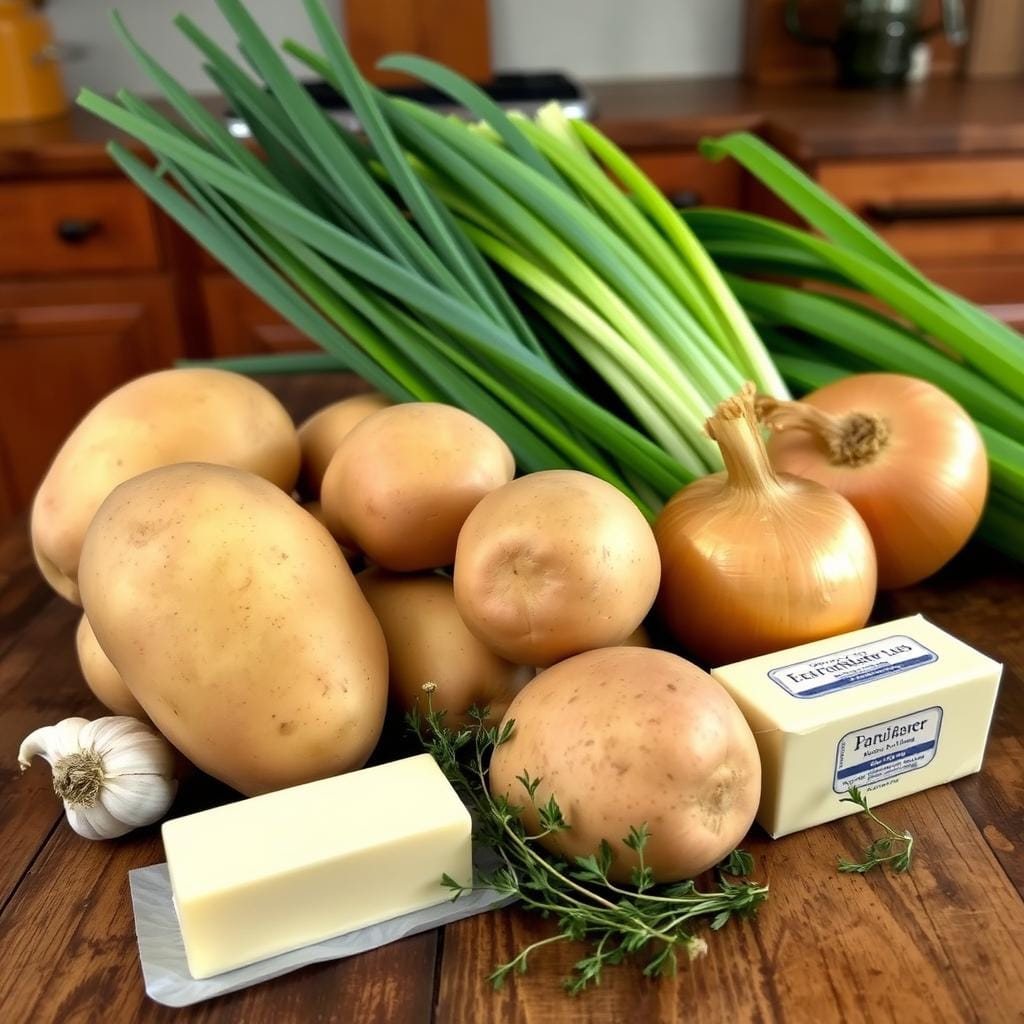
[(523, 91)]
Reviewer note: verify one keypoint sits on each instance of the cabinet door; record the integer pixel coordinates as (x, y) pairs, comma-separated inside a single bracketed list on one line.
[(6, 501), (63, 346), (951, 211), (687, 179), (242, 325)]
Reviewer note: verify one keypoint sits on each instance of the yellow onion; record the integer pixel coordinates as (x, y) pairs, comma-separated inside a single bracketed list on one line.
[(754, 561), (907, 457)]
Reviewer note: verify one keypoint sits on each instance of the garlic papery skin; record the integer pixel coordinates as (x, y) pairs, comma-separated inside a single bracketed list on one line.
[(114, 774)]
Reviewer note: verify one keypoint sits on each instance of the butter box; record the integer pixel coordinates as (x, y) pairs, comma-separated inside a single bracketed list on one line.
[(891, 709)]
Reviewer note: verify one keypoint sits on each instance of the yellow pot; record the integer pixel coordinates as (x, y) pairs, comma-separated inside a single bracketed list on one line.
[(31, 88)]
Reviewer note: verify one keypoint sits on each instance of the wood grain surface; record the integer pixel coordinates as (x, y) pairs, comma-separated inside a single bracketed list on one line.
[(943, 943)]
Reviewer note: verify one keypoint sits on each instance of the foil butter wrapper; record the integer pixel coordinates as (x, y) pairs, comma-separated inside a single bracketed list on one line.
[(162, 952)]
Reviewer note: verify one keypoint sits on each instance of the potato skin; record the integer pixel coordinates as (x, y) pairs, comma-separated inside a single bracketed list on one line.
[(553, 564), (237, 625), (429, 643), (404, 479), (321, 433), (316, 510), (628, 735), (191, 414), (102, 678)]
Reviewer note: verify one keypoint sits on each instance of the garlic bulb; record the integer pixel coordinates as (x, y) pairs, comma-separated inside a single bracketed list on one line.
[(114, 774)]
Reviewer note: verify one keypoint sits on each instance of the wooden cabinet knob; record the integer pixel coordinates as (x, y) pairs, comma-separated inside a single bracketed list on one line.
[(76, 230)]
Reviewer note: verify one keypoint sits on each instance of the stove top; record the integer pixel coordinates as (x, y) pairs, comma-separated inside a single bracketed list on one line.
[(525, 92)]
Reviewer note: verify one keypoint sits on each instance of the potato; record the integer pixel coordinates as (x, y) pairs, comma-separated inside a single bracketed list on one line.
[(321, 433), (553, 564), (403, 481), (428, 643), (201, 415), (316, 510), (629, 735), (640, 637), (102, 678), (237, 625)]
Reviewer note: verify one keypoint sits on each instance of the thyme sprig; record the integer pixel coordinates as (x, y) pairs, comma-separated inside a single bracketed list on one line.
[(617, 922), (895, 848)]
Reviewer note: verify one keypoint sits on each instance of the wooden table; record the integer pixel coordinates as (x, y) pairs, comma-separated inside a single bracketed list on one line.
[(944, 943)]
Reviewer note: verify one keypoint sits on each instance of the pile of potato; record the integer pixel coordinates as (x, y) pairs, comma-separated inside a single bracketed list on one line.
[(209, 541)]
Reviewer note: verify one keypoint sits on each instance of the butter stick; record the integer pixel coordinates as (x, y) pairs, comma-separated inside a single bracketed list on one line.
[(891, 709), (270, 874)]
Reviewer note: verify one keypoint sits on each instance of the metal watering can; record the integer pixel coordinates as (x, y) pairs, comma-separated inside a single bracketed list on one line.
[(875, 44)]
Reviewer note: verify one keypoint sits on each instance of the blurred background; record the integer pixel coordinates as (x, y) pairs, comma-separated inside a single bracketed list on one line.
[(588, 38), (910, 111)]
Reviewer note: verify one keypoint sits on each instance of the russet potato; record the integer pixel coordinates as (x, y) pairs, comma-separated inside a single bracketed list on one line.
[(190, 414), (627, 736), (429, 643), (102, 678), (321, 433), (403, 481), (236, 623), (553, 564)]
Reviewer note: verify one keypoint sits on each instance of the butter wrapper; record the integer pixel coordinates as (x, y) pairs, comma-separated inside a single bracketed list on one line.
[(162, 952), (891, 709)]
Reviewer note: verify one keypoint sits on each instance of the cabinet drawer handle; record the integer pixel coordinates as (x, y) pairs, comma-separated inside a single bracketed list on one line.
[(76, 230), (891, 213), (685, 200)]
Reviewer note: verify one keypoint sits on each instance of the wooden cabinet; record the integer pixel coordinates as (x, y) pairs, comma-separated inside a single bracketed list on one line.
[(238, 323), (75, 227), (960, 219), (64, 344), (7, 508), (690, 180)]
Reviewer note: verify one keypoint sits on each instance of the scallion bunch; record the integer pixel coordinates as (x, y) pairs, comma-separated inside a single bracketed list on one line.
[(384, 248)]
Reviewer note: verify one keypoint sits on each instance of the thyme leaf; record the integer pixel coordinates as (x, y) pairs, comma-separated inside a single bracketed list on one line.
[(894, 848)]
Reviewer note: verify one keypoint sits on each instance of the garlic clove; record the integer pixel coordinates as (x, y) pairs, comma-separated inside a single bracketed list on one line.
[(126, 749), (144, 757), (64, 740), (106, 733), (95, 822), (51, 742), (137, 800)]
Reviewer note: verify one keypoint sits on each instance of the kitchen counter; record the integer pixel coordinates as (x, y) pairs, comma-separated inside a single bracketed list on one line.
[(808, 122), (811, 122), (942, 943)]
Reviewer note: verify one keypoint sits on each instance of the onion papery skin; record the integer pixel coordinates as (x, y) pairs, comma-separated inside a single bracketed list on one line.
[(744, 575), (923, 494)]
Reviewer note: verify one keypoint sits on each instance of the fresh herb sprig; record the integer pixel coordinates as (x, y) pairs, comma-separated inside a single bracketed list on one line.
[(617, 922), (895, 848)]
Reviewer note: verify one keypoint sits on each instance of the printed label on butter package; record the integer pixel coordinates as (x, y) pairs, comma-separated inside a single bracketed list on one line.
[(854, 666), (875, 753)]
